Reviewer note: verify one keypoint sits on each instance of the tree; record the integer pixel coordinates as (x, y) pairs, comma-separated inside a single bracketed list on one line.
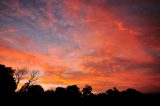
[(73, 91), (20, 74), (60, 91), (87, 90), (113, 92), (7, 81), (33, 77), (131, 92), (49, 93), (35, 90)]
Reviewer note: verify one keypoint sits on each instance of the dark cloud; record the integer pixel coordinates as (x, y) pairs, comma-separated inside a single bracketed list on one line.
[(138, 13)]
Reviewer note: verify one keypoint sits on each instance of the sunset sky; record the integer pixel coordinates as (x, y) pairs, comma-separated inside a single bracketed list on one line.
[(102, 43)]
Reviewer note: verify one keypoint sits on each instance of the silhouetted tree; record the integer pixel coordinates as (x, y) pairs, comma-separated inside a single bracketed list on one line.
[(7, 82), (113, 92), (24, 89), (30, 82), (131, 92), (33, 77), (60, 91), (73, 91), (20, 74), (50, 93), (35, 90), (87, 90), (101, 95), (110, 92)]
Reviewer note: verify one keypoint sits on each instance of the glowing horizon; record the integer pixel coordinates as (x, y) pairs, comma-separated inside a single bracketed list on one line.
[(102, 43)]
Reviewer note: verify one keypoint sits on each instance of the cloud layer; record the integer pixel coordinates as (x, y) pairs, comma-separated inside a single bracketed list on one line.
[(103, 43)]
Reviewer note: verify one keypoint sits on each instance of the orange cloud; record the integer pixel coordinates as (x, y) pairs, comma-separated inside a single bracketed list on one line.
[(14, 58)]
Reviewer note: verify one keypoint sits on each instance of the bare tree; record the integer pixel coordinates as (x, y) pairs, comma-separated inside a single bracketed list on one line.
[(20, 74), (33, 76)]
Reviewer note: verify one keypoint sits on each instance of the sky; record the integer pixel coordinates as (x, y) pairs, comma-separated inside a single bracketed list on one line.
[(102, 43)]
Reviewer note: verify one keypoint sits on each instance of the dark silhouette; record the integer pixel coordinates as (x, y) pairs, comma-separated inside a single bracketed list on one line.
[(60, 92), (20, 74), (113, 92), (50, 93), (7, 82), (73, 91), (131, 92), (24, 88), (87, 90), (35, 90), (33, 77)]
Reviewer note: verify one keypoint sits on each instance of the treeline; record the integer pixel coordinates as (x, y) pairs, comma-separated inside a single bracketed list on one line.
[(9, 80)]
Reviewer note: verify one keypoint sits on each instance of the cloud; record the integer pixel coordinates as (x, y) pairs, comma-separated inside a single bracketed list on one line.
[(103, 43), (12, 57)]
